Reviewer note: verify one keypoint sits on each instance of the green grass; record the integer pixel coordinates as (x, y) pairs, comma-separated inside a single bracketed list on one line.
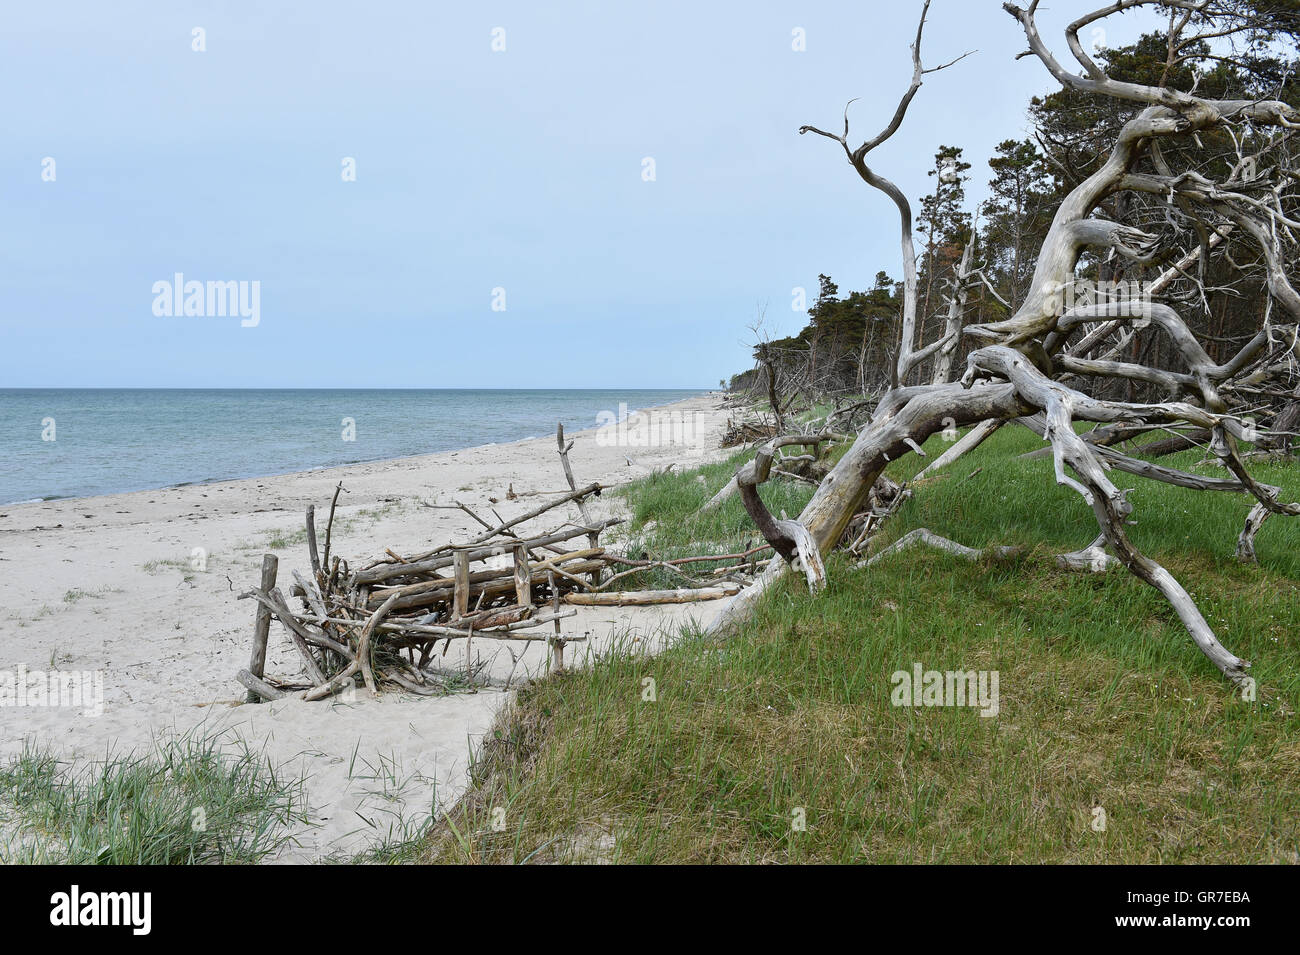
[(666, 522), (190, 800), (76, 594), (285, 539), (1105, 700)]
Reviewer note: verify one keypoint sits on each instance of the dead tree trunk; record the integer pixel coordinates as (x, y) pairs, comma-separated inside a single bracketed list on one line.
[(956, 313), (1015, 375)]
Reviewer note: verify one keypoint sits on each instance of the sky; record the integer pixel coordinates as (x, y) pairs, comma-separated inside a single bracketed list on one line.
[(567, 194)]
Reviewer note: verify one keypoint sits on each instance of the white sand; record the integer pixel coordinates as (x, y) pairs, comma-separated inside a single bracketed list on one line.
[(106, 584)]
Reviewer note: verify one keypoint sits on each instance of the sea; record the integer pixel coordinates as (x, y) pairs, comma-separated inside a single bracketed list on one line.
[(59, 443)]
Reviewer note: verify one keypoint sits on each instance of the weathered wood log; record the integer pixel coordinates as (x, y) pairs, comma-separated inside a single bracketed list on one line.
[(676, 565), (410, 685), (385, 572), (523, 577), (1146, 469), (645, 598), (557, 641), (680, 561), (502, 632), (731, 488), (492, 583), (312, 552), (309, 593), (923, 535), (488, 619), (956, 315), (335, 683), (363, 644), (1110, 506), (1091, 558), (593, 539), (259, 689), (329, 524), (314, 637), (790, 539), (1246, 541), (1283, 429), (297, 635), (460, 585), (1105, 436), (262, 625)]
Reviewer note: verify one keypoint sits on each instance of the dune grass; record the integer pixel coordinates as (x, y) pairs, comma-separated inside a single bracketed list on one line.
[(189, 800), (781, 745), (666, 522)]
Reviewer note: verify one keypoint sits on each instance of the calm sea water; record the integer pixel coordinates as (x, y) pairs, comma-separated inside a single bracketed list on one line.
[(112, 440)]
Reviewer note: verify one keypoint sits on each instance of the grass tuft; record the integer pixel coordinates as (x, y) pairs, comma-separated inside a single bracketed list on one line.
[(190, 800)]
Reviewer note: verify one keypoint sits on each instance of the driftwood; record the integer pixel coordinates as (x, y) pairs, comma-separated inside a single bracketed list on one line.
[(1092, 558), (788, 538), (642, 598), (383, 623), (927, 537), (259, 689), (815, 441), (968, 442), (261, 627), (1020, 366), (746, 432)]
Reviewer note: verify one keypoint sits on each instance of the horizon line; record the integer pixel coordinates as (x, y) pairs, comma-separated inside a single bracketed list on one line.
[(332, 388)]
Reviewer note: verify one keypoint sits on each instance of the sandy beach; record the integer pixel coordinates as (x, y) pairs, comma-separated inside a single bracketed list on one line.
[(142, 588)]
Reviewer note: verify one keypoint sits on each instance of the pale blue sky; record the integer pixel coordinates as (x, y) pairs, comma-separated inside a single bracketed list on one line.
[(476, 169)]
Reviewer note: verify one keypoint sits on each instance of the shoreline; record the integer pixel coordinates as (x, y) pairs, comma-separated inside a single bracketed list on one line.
[(205, 482), (141, 587)]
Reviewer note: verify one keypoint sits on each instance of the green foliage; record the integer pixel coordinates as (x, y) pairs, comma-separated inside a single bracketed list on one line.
[(1015, 218), (848, 342), (667, 522)]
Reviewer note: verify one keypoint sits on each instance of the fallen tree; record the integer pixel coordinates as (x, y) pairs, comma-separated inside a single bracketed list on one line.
[(1020, 367)]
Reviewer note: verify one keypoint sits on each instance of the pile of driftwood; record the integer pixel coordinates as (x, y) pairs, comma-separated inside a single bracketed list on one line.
[(746, 432), (843, 420), (384, 622)]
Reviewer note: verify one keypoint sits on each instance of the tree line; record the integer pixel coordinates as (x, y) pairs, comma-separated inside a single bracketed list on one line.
[(975, 262)]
